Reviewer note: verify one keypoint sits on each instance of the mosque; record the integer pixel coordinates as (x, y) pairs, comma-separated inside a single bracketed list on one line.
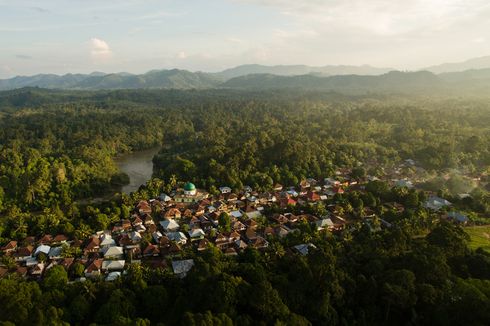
[(190, 194)]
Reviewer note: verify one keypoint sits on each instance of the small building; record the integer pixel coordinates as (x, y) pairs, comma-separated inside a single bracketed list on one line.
[(303, 249), (436, 203), (169, 225), (458, 217), (113, 265), (225, 190), (114, 252), (182, 267)]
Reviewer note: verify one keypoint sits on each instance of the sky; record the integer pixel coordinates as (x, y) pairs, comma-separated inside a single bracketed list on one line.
[(81, 36)]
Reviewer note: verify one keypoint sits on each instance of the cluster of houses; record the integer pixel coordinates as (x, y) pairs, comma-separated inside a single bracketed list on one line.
[(160, 231)]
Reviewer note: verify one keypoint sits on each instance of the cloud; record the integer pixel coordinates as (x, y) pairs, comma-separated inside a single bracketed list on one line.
[(182, 55), (6, 71), (23, 56), (378, 17), (381, 32), (40, 10), (99, 49)]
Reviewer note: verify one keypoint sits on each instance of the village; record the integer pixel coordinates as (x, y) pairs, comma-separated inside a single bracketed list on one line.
[(161, 232)]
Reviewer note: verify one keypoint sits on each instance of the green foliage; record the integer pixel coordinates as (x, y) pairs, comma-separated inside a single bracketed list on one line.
[(57, 148), (56, 278)]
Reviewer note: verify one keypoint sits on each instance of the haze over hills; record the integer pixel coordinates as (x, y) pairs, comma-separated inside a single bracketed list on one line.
[(294, 70), (474, 63), (174, 78), (351, 79)]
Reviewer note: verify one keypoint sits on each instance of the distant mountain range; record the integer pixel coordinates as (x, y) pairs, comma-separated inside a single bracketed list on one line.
[(471, 64), (295, 70), (348, 79), (175, 78)]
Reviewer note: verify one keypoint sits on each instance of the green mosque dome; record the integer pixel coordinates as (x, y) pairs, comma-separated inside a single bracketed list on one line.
[(189, 186)]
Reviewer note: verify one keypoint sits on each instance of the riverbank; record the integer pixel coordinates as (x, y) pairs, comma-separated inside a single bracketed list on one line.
[(138, 166)]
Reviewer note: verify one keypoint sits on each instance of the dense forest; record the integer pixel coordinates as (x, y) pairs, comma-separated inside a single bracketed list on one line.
[(58, 148)]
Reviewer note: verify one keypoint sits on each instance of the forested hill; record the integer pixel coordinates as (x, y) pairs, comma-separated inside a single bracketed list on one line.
[(474, 82), (175, 78), (392, 81)]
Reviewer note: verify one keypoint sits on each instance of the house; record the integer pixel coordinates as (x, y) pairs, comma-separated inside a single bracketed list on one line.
[(37, 270), (240, 245), (55, 252), (172, 213), (173, 250), (221, 241), (203, 244), (325, 223), (144, 207), (291, 217), (286, 201), (409, 162), (230, 252), (93, 269), (259, 243), (281, 231), (280, 218), (177, 237), (126, 224), (113, 265), (126, 242), (67, 262), (42, 249), (182, 267), (112, 276), (113, 252), (46, 239), (164, 197), (10, 247), (106, 241), (196, 234), (304, 186), (253, 214), (156, 236), (60, 239), (436, 203), (458, 217), (137, 221), (312, 196), (140, 228), (277, 187), (3, 272), (238, 226), (21, 271), (92, 245), (135, 236), (303, 249), (164, 242), (251, 224), (233, 236), (170, 225), (151, 251), (225, 190), (250, 234), (23, 253), (404, 183)]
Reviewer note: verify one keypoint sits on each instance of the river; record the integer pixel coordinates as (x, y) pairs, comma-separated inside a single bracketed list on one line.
[(138, 166)]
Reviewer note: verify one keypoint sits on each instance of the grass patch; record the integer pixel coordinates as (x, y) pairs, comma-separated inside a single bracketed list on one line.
[(480, 237)]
